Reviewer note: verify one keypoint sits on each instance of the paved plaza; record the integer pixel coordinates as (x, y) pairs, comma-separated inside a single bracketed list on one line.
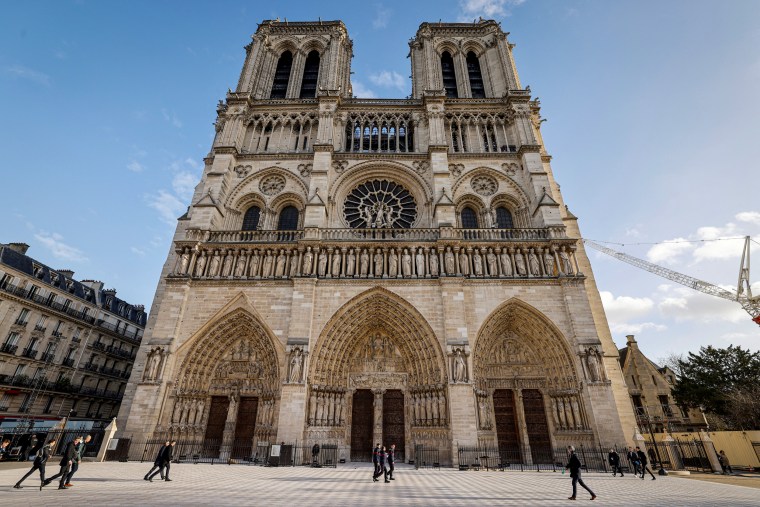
[(122, 484)]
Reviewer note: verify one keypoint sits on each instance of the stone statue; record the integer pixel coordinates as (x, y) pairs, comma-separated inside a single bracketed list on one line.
[(535, 269), (280, 267), (565, 266), (184, 260), (364, 263), (254, 266), (240, 265), (227, 266), (294, 265), (460, 367), (378, 263), (200, 265), (493, 269), (151, 368), (350, 263), (268, 260), (464, 263), (308, 261), (296, 366), (322, 263), (433, 262), (392, 264), (592, 361), (213, 268), (406, 263), (477, 262), (520, 264), (506, 262), (548, 263), (420, 263), (336, 263), (448, 260)]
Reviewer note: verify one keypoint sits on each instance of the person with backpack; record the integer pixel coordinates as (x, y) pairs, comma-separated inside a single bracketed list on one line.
[(43, 453)]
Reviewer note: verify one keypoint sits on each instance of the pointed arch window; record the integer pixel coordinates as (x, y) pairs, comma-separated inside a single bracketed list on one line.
[(476, 78), (282, 76), (449, 76), (504, 218), (310, 76), (469, 218), (251, 218), (288, 220)]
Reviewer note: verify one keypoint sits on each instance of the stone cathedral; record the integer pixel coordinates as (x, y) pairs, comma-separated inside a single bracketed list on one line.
[(353, 271)]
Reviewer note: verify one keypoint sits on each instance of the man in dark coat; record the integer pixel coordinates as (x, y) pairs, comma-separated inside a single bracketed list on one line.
[(43, 453), (164, 460), (391, 461), (375, 462), (574, 465), (66, 461), (79, 452), (643, 460), (633, 459), (382, 457), (614, 458), (157, 463), (168, 456)]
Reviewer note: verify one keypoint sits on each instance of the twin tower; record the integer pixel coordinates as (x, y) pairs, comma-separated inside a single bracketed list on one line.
[(353, 271)]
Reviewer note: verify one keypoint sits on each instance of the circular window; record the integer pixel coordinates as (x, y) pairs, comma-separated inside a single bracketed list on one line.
[(380, 204)]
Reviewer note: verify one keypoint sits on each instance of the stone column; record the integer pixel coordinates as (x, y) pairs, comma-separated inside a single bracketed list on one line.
[(229, 428), (522, 427), (377, 433)]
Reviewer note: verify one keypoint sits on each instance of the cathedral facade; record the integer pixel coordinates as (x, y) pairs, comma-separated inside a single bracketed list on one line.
[(353, 271)]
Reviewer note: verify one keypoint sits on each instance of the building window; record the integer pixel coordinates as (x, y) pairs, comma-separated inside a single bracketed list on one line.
[(38, 373), (19, 370), (5, 402), (25, 404), (33, 290), (5, 281), (251, 218), (282, 76), (665, 405), (476, 79), (288, 219), (23, 317), (504, 218), (310, 75), (469, 218), (12, 340), (449, 76), (49, 405)]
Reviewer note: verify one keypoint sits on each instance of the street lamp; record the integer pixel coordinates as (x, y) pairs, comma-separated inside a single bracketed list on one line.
[(647, 418)]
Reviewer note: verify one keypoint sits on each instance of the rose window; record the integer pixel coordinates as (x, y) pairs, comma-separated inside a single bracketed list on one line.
[(380, 204)]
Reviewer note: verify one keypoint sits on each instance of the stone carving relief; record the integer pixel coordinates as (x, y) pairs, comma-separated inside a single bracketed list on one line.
[(377, 354), (242, 170), (483, 405), (429, 406), (568, 413), (154, 365), (327, 406), (272, 184), (510, 168), (458, 359), (421, 166), (592, 360), (456, 169), (305, 169), (296, 360), (484, 185), (340, 166)]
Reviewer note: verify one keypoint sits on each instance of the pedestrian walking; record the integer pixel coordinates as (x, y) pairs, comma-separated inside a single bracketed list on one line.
[(375, 462), (724, 463), (43, 453), (391, 461), (315, 455), (66, 461), (165, 462), (79, 451), (633, 459), (382, 457), (644, 467), (157, 463), (574, 465), (614, 458)]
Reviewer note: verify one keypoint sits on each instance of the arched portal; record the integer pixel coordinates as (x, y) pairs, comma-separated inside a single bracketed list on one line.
[(227, 387), (526, 385), (378, 375)]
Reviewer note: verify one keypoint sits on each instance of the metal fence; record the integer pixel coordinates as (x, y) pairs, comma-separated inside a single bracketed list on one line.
[(520, 458), (426, 457), (25, 445), (238, 452), (681, 455)]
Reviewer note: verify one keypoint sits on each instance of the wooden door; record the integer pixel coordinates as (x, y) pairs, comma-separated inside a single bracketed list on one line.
[(506, 426), (216, 420), (538, 427), (245, 427), (393, 421), (362, 415)]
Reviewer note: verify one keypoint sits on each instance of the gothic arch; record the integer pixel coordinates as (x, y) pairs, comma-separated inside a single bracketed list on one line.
[(517, 341), (239, 197), (507, 186), (475, 46), (374, 309)]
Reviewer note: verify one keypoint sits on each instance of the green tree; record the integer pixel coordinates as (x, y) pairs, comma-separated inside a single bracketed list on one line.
[(717, 380)]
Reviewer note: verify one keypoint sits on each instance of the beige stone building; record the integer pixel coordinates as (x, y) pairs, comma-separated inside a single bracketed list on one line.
[(67, 346), (379, 270), (650, 387)]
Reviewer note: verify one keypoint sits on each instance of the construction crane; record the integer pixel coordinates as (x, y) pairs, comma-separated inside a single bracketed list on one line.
[(743, 294)]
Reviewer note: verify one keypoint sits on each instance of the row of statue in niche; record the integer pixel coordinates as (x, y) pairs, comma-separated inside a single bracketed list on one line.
[(378, 262), (566, 412)]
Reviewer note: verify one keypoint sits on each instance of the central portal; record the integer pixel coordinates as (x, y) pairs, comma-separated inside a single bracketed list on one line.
[(393, 421)]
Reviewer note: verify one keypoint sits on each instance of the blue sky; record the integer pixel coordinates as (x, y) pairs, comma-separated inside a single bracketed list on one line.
[(106, 112)]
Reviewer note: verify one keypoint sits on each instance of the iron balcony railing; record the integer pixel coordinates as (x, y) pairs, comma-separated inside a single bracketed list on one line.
[(8, 348)]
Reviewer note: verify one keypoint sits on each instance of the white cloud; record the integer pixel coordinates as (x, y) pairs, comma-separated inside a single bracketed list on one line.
[(135, 166), (59, 249), (168, 206), (486, 8), (633, 232), (752, 217), (21, 72), (171, 118), (192, 163), (627, 328), (184, 184), (683, 304), (668, 252), (389, 79), (137, 251), (624, 308), (382, 16), (362, 91)]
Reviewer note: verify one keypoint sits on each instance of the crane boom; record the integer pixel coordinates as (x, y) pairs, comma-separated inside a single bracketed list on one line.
[(751, 305)]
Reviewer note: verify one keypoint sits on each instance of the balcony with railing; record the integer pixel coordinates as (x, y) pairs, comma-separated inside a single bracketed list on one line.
[(91, 367), (132, 336), (30, 353), (47, 356), (7, 348), (122, 353), (40, 328), (59, 307), (68, 362)]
